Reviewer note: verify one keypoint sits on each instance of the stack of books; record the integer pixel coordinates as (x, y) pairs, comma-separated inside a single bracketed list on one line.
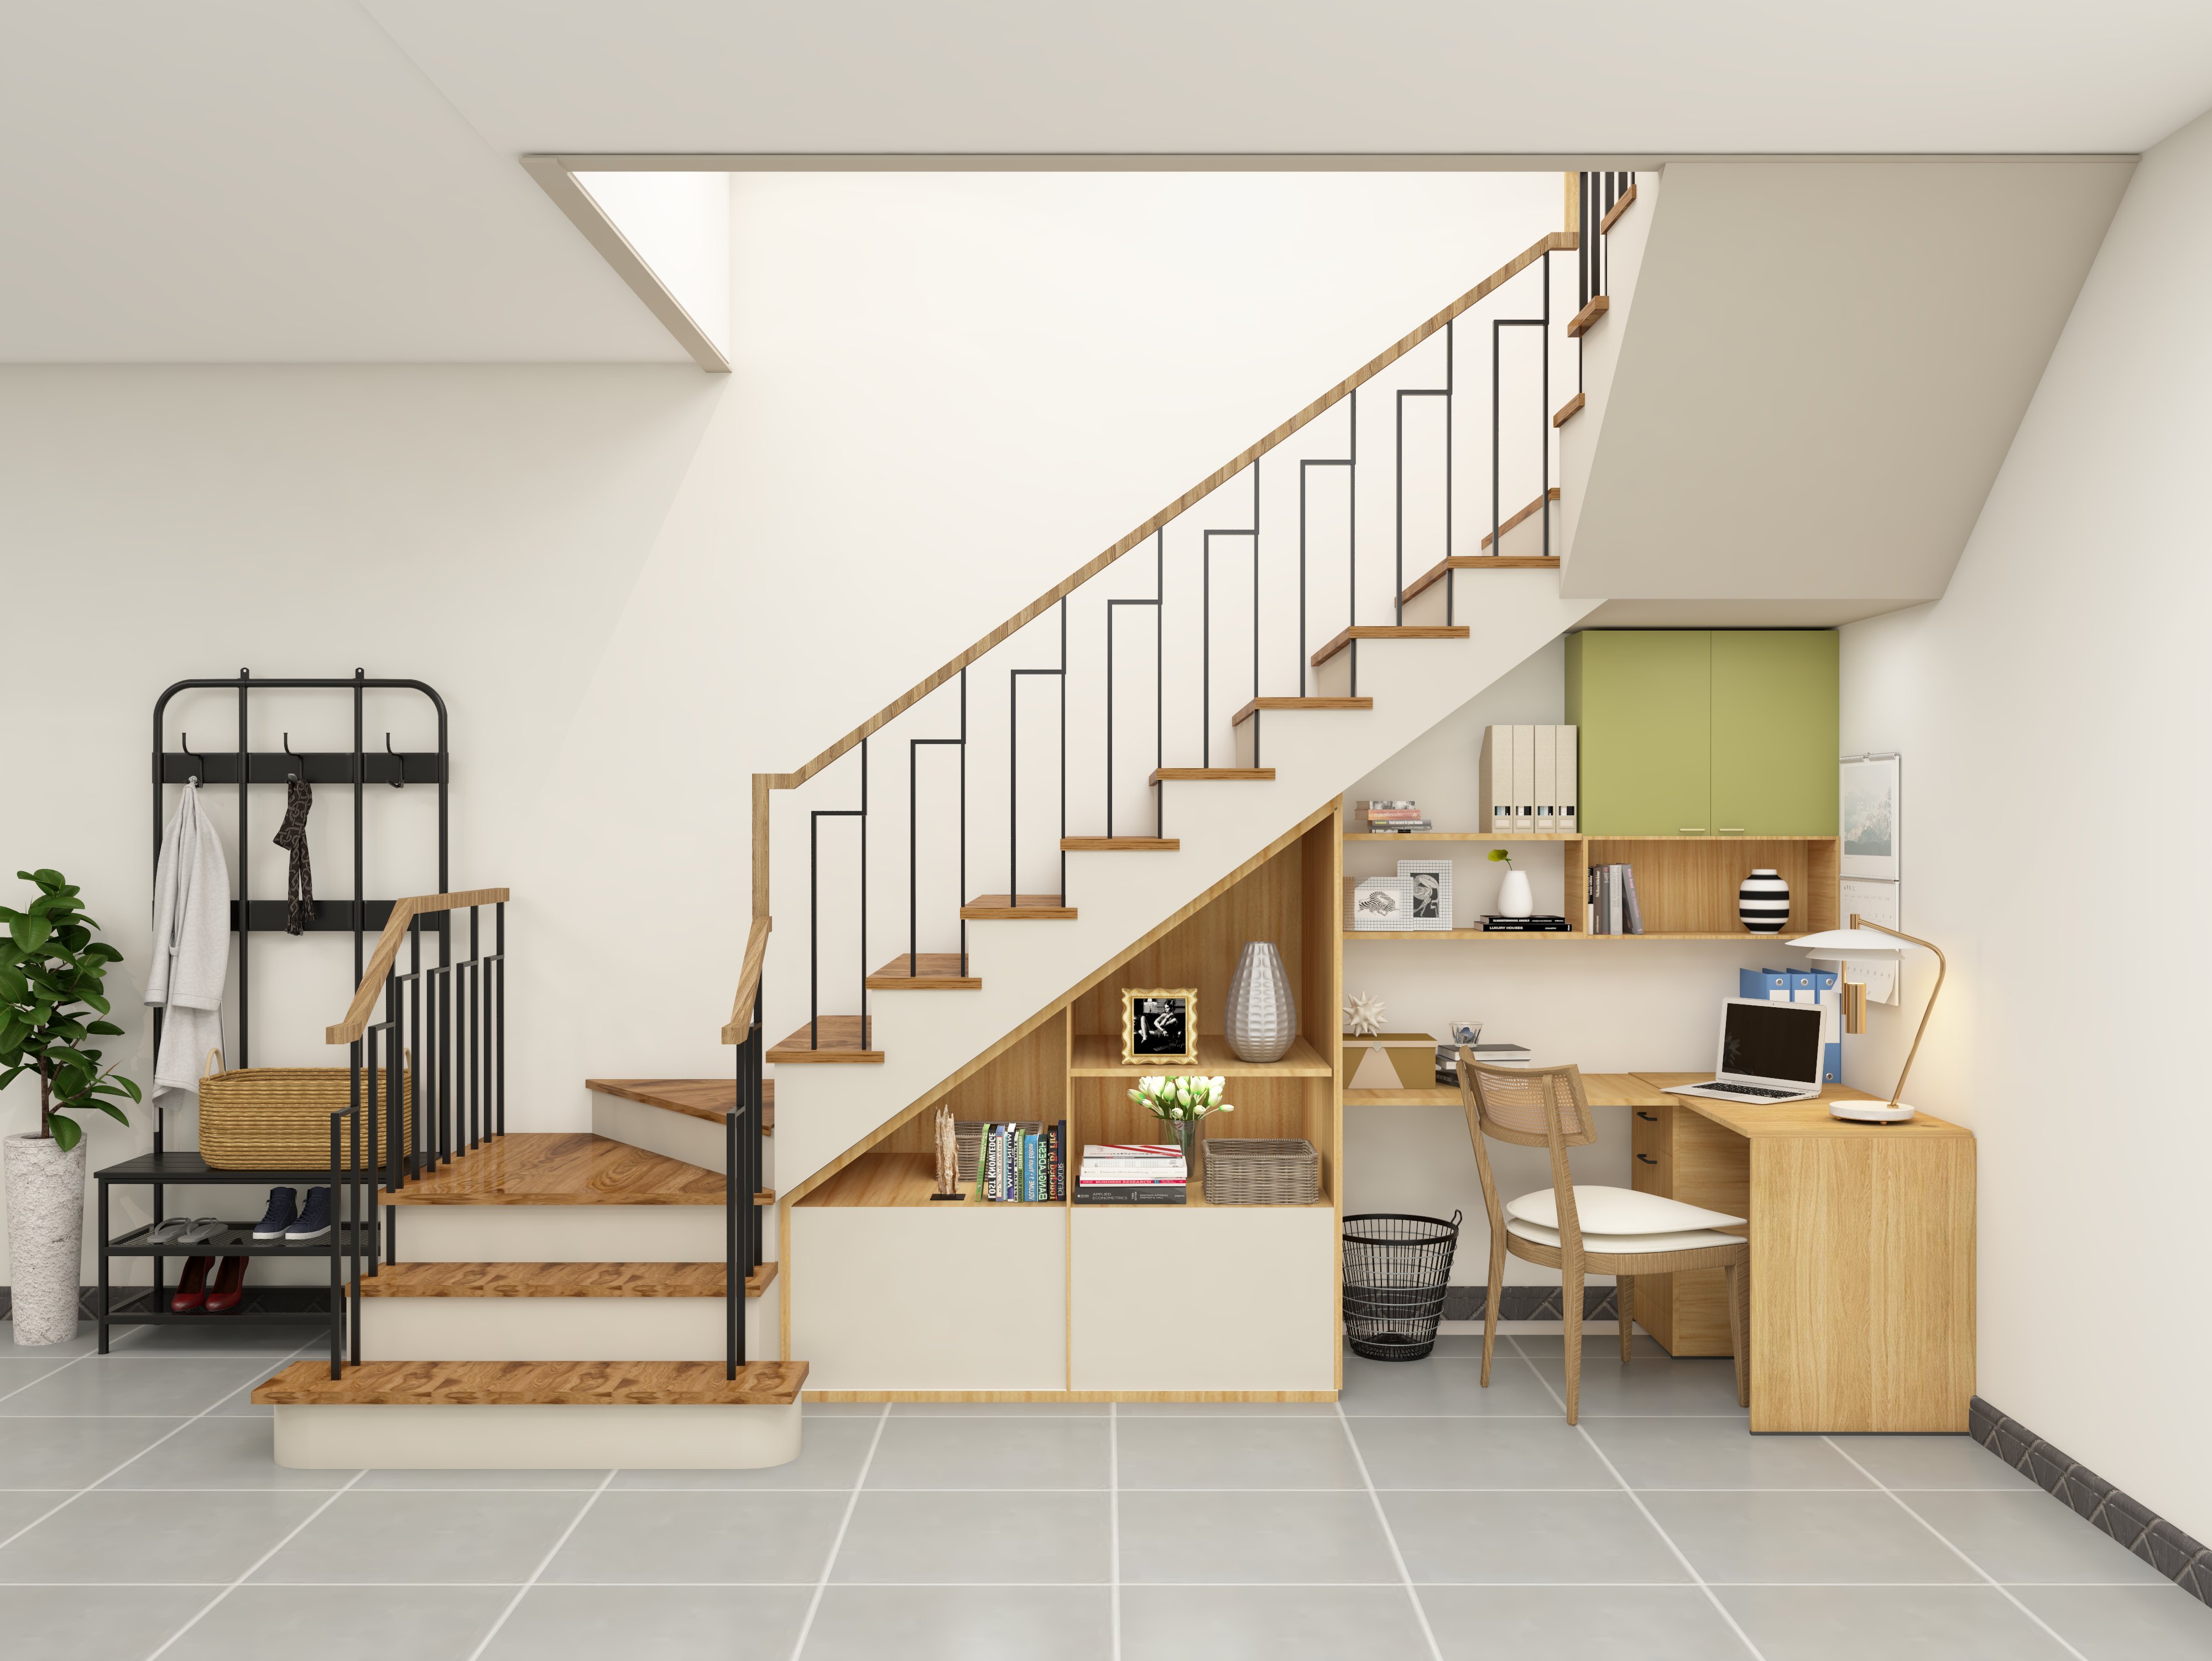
[(1021, 1164), (1395, 817), (1132, 1173), (1492, 925), (1612, 906), (1493, 1055)]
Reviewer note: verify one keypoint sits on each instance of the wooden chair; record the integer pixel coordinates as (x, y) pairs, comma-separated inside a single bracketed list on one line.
[(1587, 1229)]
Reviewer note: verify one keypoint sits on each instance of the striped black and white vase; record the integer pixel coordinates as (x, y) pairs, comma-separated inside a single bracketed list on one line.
[(1763, 903)]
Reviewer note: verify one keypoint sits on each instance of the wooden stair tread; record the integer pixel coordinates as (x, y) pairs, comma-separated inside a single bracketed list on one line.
[(1120, 844), (1250, 775), (506, 1384), (834, 1039), (1435, 574), (1258, 704), (701, 1098), (562, 1168), (1520, 514), (1568, 410), (558, 1280), (926, 971), (1579, 324), (1018, 907), (1613, 213), (1388, 632)]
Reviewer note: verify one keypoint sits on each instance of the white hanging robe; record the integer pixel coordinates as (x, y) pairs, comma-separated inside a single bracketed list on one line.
[(191, 944)]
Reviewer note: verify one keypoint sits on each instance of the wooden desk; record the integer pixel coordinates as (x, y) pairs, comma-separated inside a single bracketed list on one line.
[(1862, 1253)]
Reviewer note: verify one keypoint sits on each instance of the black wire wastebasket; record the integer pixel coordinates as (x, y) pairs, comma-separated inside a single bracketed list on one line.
[(1395, 1269)]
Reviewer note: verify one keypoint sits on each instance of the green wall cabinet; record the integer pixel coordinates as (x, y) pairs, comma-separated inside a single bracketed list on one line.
[(1728, 732)]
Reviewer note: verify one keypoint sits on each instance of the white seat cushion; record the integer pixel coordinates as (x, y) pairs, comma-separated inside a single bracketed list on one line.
[(1688, 1240), (1618, 1211)]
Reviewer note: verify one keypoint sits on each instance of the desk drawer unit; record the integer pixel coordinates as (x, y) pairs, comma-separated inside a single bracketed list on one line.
[(1687, 1158)]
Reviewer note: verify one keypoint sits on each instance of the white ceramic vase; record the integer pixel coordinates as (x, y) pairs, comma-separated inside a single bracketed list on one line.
[(1762, 904), (1514, 899), (1262, 1017), (45, 1233)]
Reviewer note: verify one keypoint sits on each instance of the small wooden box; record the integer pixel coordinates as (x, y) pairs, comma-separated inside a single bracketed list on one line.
[(1390, 1060)]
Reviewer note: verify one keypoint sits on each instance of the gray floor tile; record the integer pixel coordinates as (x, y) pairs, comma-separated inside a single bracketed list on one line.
[(1236, 1452), (2124, 1623), (123, 1623), (814, 1409), (19, 1508), (950, 1623), (2029, 1536), (102, 1537), (72, 1453), (219, 1453), (578, 1482), (1718, 1453), (417, 1539), (1225, 1409), (1806, 1539), (1931, 1462), (240, 1404), (652, 1623), (1269, 1624), (85, 1343), (967, 1539), (1696, 1385), (132, 1385), (16, 1374), (1000, 1410), (1525, 1539), (1578, 1623), (1187, 1539), (640, 1538), (999, 1452), (1899, 1623), (830, 1453), (1551, 1345), (1479, 1453), (422, 1623), (1445, 1387)]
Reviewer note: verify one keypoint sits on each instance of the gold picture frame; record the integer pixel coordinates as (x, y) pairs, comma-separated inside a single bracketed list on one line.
[(1184, 1056)]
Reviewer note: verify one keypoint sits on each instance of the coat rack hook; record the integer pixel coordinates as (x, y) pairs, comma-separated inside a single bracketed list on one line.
[(185, 743), (296, 756), (399, 768)]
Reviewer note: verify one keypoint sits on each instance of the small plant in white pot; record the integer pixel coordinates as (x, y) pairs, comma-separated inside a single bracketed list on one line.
[(52, 972)]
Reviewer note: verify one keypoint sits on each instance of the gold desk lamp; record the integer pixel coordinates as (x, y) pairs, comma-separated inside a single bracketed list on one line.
[(1870, 940)]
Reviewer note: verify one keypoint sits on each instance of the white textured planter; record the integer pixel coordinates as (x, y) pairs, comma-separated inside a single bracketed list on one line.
[(45, 1233)]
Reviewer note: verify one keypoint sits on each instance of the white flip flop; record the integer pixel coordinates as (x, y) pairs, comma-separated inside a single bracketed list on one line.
[(169, 1231), (204, 1229)]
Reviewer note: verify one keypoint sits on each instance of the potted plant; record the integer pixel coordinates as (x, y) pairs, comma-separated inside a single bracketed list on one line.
[(50, 974), (1183, 1104)]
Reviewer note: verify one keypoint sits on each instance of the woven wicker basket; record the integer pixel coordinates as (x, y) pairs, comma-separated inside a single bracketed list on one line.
[(278, 1118), (1246, 1171)]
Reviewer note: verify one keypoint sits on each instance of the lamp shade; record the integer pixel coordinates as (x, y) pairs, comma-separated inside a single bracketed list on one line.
[(1854, 943)]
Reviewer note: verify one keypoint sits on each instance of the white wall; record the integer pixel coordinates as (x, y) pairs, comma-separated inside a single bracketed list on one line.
[(2054, 695), (679, 223), (637, 586)]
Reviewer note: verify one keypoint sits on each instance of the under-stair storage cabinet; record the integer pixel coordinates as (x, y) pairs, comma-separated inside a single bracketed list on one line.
[(1690, 732)]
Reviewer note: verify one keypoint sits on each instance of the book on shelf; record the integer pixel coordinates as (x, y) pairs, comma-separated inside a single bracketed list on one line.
[(1133, 1172), (1152, 1194), (1015, 1162), (1496, 925), (1613, 905), (1495, 1054)]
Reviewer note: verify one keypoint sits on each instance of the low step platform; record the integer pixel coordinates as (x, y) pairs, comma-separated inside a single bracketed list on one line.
[(546, 1312), (1018, 907), (924, 971), (536, 1415), (558, 1280), (833, 1039)]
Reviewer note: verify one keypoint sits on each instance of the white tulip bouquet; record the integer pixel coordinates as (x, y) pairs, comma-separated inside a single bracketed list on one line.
[(1181, 1100)]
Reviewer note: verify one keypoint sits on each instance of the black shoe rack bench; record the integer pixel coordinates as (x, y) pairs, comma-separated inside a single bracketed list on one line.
[(357, 1230)]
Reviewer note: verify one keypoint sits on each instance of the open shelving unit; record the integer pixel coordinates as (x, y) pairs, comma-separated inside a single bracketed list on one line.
[(892, 1293)]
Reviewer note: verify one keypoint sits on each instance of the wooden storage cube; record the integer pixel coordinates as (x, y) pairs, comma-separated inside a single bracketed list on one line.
[(1183, 1301), (1685, 1156), (1687, 884)]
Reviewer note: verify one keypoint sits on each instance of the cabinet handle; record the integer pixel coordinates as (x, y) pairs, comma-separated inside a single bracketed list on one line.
[(1733, 830), (1647, 1159), (1641, 1114), (1690, 831)]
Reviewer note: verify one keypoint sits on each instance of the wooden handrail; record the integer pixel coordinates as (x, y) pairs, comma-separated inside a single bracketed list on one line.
[(741, 1006), (387, 952)]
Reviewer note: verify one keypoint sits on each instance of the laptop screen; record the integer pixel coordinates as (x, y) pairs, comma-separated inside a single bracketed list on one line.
[(1772, 1041)]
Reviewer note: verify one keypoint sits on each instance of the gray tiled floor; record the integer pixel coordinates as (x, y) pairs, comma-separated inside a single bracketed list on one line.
[(141, 1516)]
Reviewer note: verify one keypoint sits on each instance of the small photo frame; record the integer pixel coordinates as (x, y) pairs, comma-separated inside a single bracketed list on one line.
[(1871, 822), (1432, 900), (1159, 1025), (1381, 903)]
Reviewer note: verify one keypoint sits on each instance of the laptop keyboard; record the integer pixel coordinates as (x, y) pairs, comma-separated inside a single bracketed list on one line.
[(1747, 1089)]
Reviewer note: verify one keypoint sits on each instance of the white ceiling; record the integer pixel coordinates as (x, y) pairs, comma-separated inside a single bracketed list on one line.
[(303, 180)]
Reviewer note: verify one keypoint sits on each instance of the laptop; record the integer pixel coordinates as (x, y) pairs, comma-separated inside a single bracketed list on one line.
[(1769, 1052)]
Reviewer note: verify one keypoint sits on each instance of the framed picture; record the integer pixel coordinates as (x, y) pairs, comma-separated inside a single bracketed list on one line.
[(1431, 906), (1159, 1026), (1381, 903), (1870, 815)]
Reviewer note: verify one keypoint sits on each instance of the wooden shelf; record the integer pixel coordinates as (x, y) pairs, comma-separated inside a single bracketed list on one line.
[(1098, 1057), (1195, 1200), (1743, 936), (1546, 836), (1442, 1095), (885, 1177)]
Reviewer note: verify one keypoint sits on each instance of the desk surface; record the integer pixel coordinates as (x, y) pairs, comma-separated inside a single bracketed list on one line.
[(1646, 1090)]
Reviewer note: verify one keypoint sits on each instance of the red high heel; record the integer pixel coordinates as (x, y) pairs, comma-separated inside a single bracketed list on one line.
[(225, 1296), (191, 1286)]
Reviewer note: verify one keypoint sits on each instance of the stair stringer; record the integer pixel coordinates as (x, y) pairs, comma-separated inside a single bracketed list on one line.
[(927, 1038)]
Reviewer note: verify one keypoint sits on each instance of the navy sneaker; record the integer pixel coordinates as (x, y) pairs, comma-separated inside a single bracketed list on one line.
[(283, 1206), (314, 1222)]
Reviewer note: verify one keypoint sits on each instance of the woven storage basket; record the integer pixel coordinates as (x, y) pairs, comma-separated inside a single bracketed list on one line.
[(1250, 1171), (278, 1118)]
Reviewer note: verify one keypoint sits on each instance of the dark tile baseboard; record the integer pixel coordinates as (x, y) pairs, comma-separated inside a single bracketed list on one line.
[(1526, 1303), (260, 1300), (2166, 1548)]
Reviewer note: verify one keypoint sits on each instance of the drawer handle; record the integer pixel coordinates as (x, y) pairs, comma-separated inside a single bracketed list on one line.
[(1641, 1114), (1647, 1159), (1690, 829), (1732, 831)]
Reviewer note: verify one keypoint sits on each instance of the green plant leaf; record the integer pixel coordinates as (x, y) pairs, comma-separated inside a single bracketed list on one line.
[(73, 937), (112, 1111), (106, 1028), (104, 952), (30, 933), (67, 1132), (99, 1003)]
